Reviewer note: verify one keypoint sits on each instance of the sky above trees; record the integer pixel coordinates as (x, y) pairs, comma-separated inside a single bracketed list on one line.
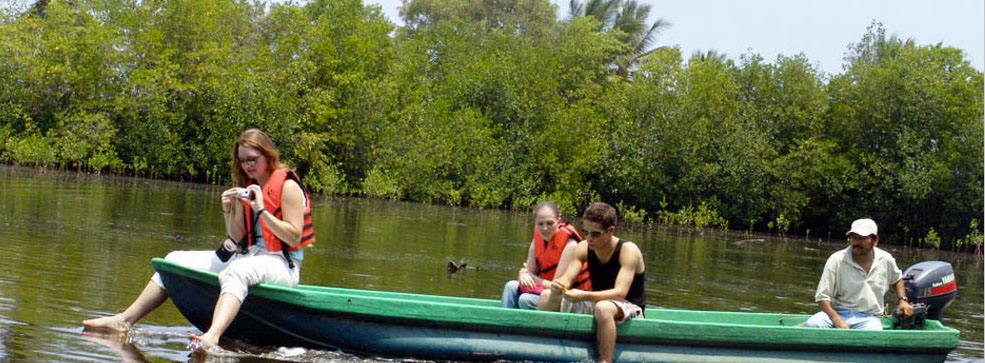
[(821, 30)]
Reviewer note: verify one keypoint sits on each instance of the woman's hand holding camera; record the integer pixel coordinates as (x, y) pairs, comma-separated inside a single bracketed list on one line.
[(251, 194), (229, 198), (255, 197)]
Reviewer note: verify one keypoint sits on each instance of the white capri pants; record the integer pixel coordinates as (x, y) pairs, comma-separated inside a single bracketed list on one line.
[(241, 271)]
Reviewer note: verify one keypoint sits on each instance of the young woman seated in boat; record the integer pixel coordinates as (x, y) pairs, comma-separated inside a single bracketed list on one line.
[(268, 222), (549, 248)]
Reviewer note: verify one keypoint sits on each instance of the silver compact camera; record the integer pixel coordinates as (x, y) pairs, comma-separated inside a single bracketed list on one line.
[(246, 194)]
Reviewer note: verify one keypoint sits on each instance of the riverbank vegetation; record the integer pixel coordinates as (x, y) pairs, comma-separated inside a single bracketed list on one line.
[(498, 103)]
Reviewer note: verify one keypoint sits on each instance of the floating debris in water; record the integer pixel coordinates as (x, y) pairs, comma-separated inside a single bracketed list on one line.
[(456, 267), (741, 242)]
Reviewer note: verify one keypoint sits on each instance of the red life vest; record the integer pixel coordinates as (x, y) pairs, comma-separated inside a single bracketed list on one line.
[(271, 202), (548, 254)]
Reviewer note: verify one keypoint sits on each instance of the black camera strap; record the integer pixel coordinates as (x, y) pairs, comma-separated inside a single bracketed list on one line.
[(290, 261)]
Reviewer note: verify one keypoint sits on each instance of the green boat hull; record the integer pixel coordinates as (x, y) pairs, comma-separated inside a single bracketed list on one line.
[(401, 325)]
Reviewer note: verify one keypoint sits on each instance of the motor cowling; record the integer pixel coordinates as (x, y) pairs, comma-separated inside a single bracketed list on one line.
[(931, 283)]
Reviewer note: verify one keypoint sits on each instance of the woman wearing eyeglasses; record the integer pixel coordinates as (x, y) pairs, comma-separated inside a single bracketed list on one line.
[(547, 251), (268, 223)]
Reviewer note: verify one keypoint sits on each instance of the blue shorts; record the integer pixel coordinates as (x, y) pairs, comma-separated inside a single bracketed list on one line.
[(854, 319)]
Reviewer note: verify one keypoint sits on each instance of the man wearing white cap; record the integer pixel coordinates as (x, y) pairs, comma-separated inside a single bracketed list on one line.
[(854, 282)]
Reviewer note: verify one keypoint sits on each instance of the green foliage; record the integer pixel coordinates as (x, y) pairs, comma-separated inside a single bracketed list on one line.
[(84, 141), (32, 149), (530, 18), (781, 223), (380, 185), (703, 217), (497, 104), (631, 214), (931, 239), (807, 181), (626, 20), (974, 238), (909, 118), (321, 175)]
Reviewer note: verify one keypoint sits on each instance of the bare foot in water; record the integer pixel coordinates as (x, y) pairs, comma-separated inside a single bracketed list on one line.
[(118, 342), (115, 323), (205, 339)]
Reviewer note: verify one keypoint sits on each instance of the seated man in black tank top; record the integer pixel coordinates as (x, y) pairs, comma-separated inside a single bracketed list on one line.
[(616, 270)]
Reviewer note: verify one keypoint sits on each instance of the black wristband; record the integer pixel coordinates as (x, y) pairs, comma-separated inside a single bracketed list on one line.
[(259, 212)]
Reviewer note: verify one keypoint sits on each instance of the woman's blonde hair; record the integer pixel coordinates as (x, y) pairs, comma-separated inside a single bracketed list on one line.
[(256, 139)]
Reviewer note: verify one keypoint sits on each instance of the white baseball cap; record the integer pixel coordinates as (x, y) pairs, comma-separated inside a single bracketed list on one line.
[(864, 227)]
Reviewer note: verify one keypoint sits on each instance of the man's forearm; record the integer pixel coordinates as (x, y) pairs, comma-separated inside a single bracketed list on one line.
[(900, 290), (829, 309), (610, 294), (567, 277)]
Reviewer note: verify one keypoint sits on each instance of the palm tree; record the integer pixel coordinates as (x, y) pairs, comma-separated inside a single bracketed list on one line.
[(603, 10), (627, 16), (709, 56)]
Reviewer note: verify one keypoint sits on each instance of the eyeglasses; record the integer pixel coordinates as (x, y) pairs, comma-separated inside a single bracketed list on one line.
[(594, 234), (249, 161)]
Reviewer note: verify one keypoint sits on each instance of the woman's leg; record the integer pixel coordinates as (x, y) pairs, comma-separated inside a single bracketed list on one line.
[(154, 293), (234, 282), (528, 301), (225, 311), (511, 295), (148, 300)]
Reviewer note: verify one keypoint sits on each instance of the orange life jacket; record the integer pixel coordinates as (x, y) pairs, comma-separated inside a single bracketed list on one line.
[(548, 254), (271, 202)]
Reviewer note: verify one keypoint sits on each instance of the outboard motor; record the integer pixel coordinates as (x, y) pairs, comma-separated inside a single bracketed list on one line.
[(930, 284)]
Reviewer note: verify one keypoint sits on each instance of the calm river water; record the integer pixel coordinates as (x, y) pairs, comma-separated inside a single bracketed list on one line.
[(75, 246)]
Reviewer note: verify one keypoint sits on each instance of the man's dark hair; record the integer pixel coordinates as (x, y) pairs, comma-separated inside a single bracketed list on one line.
[(601, 213)]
